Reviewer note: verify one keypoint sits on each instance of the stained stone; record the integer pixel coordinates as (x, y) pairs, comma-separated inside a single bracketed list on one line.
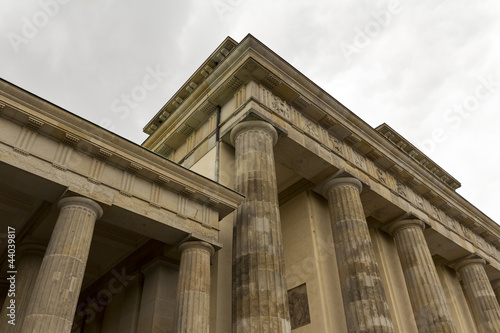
[(430, 307), (260, 301), (55, 295), (479, 293), (193, 289), (365, 303)]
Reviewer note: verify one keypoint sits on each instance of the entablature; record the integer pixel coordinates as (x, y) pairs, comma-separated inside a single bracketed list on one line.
[(76, 135)]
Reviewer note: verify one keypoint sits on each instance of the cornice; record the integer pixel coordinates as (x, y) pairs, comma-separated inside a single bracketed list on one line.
[(199, 76), (52, 121), (405, 146)]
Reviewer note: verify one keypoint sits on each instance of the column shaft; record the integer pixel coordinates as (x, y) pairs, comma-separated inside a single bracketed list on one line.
[(55, 295), (30, 260), (193, 291), (259, 286), (365, 302), (430, 307), (479, 293)]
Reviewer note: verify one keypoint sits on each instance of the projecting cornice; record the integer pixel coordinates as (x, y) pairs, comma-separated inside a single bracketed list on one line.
[(75, 133), (191, 84), (414, 153)]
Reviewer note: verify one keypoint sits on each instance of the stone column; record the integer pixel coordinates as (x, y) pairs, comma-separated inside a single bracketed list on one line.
[(55, 295), (428, 300), (28, 265), (260, 301), (479, 293), (365, 303), (193, 289)]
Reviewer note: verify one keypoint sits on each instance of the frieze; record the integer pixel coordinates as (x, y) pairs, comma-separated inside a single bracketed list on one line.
[(358, 159), (311, 129), (345, 150), (401, 189), (280, 107), (381, 176)]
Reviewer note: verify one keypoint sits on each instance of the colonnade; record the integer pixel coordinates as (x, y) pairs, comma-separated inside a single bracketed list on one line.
[(259, 290), (48, 283), (52, 279)]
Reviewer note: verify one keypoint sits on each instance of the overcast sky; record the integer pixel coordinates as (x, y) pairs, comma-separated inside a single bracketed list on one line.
[(430, 69)]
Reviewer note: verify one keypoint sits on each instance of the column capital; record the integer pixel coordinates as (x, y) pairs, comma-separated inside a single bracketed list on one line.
[(197, 245), (471, 259), (332, 183), (260, 125), (83, 202), (396, 226)]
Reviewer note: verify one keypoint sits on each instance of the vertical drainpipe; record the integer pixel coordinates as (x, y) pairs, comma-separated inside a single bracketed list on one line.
[(217, 144)]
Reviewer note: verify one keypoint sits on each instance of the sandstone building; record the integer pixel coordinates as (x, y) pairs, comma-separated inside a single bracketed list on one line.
[(258, 203)]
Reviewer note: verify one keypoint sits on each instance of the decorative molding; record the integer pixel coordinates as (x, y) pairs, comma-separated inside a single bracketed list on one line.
[(34, 123), (62, 156), (71, 139), (96, 170), (127, 183), (374, 155), (25, 141), (301, 103), (271, 81), (328, 122), (233, 84), (352, 139)]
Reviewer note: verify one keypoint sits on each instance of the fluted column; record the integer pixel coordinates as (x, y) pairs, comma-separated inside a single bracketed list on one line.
[(55, 295), (479, 293), (259, 286), (193, 289), (28, 265), (430, 307), (365, 303)]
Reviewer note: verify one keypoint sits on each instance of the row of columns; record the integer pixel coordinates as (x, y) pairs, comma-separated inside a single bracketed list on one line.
[(259, 286), (365, 303), (48, 284)]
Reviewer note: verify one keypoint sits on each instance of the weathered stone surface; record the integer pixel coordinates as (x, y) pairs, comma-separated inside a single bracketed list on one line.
[(31, 256), (430, 307), (479, 293), (299, 306), (193, 289), (365, 302), (259, 287), (55, 295)]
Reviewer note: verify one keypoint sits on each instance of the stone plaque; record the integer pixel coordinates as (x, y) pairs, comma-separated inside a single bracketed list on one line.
[(299, 307)]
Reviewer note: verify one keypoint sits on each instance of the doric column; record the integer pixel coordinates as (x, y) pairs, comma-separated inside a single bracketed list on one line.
[(430, 307), (28, 265), (365, 302), (193, 289), (479, 293), (55, 295), (259, 286)]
